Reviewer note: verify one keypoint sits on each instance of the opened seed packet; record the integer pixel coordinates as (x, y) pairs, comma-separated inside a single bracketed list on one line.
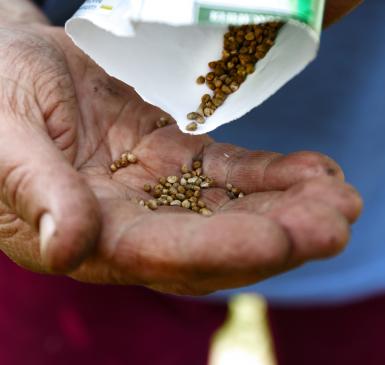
[(162, 47)]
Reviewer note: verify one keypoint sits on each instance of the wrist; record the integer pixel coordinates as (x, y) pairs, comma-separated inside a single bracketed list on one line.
[(20, 12)]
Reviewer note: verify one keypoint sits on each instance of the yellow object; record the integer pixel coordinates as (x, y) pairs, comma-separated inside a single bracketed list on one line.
[(245, 337)]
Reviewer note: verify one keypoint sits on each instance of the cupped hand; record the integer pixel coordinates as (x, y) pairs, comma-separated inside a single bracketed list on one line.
[(63, 120)]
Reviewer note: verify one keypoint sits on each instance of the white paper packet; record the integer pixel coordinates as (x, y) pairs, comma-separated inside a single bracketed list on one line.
[(160, 47)]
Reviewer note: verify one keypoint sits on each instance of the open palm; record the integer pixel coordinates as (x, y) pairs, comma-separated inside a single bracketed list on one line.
[(68, 120)]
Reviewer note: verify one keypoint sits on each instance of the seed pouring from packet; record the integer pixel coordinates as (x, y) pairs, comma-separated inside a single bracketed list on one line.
[(161, 47)]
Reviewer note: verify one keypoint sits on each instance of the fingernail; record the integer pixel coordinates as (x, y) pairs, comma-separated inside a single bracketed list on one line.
[(47, 229)]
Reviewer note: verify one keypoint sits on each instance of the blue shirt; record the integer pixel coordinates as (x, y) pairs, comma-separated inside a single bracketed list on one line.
[(337, 107)]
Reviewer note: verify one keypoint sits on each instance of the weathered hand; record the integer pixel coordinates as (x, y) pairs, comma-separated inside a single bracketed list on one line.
[(62, 122)]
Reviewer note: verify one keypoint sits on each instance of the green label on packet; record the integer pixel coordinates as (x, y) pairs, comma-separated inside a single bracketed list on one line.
[(309, 12)]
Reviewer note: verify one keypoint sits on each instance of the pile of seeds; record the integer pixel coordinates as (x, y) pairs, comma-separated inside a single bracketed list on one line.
[(181, 191), (178, 191), (125, 159), (243, 47)]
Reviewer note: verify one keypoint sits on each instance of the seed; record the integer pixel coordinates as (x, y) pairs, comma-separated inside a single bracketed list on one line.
[(205, 98), (180, 196), (193, 116), (172, 179), (229, 187), (250, 36), (173, 191), (201, 204), (186, 204), (198, 171), (169, 199), (162, 180), (184, 169), (176, 203), (197, 164), (205, 185), (132, 158), (210, 76), (113, 168), (234, 86), (147, 188), (241, 195), (162, 122), (187, 175), (200, 119), (226, 89), (195, 209), (192, 180), (142, 203), (181, 189), (183, 181), (152, 204), (206, 212), (208, 112), (201, 80), (192, 127), (118, 164)]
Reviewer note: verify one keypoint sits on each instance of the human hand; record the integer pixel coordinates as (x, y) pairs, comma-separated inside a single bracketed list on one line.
[(63, 121)]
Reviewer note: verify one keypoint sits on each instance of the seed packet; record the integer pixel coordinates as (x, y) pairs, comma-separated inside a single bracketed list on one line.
[(160, 47)]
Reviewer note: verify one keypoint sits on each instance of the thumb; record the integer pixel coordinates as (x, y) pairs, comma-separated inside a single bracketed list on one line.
[(43, 188)]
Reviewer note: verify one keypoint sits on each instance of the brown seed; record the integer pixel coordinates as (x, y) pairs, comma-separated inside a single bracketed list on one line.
[(113, 168), (147, 188), (229, 187), (181, 189), (250, 36), (118, 164), (226, 89), (192, 116), (208, 112), (241, 195), (176, 203), (162, 180), (184, 169), (201, 204), (180, 196), (172, 179), (186, 204), (183, 181), (210, 76), (132, 158), (152, 204), (206, 212), (201, 80), (205, 98), (205, 185), (192, 127), (195, 209), (197, 164), (212, 64)]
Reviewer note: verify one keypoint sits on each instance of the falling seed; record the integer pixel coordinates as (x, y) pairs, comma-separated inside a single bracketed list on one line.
[(192, 127)]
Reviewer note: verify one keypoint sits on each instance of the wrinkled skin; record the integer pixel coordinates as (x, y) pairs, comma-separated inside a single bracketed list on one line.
[(62, 122)]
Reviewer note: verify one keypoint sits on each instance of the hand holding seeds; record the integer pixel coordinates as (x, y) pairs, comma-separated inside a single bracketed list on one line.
[(120, 195)]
